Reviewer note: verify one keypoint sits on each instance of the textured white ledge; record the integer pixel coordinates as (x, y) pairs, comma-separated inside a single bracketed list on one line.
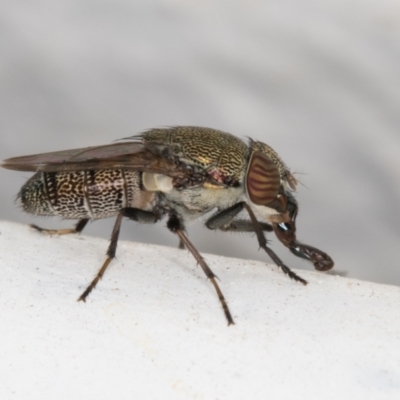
[(153, 328)]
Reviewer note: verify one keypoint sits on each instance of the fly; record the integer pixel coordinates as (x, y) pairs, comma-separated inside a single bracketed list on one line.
[(180, 173)]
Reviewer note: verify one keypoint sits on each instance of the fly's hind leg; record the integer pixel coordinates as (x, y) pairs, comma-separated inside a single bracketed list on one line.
[(112, 248), (77, 229), (138, 215)]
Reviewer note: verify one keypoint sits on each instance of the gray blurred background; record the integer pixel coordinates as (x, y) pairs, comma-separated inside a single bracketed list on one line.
[(318, 81)]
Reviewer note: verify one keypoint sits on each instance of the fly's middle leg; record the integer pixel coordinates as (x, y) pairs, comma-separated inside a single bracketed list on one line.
[(175, 225)]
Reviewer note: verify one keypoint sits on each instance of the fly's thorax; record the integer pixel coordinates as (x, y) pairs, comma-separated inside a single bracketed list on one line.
[(83, 194), (195, 202), (221, 154)]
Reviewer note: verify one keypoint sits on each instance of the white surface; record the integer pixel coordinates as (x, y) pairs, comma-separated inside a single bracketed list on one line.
[(317, 80), (153, 328)]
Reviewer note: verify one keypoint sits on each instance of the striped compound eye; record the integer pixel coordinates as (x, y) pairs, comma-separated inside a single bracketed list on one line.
[(262, 180)]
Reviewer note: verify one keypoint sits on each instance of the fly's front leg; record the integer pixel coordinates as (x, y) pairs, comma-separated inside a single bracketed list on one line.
[(262, 241), (225, 221), (224, 218), (138, 215), (286, 233), (243, 225), (175, 225), (321, 260), (78, 228)]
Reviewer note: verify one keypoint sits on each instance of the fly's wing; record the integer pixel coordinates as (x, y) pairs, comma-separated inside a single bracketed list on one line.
[(128, 155)]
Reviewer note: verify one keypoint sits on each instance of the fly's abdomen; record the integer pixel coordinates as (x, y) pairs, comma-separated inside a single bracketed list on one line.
[(106, 192), (33, 196), (81, 194)]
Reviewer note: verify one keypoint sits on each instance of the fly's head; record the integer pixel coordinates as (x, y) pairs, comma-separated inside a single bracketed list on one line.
[(268, 182), (269, 185)]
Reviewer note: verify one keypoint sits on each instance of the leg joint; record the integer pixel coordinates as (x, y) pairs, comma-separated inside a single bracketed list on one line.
[(174, 224)]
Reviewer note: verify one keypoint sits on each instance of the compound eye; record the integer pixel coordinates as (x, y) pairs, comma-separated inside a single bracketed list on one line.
[(262, 180)]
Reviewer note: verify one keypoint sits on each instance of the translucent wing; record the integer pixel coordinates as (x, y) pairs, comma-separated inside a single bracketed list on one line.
[(127, 155)]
